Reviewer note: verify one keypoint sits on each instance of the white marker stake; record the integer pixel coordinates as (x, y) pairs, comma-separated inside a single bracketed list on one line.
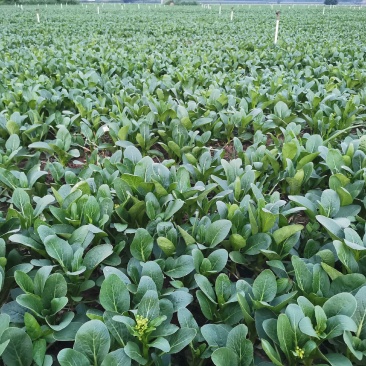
[(232, 15), (138, 5), (21, 6), (61, 5), (277, 26), (98, 9), (323, 10), (38, 20), (220, 10)]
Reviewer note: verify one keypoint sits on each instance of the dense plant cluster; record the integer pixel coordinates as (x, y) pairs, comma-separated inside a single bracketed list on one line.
[(39, 2), (330, 2), (175, 190)]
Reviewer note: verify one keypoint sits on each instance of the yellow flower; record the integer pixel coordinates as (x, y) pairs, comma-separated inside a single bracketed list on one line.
[(141, 326), (299, 352)]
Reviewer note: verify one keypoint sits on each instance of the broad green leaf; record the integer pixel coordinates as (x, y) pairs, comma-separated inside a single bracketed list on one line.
[(256, 243), (285, 232), (39, 352), (360, 314), (265, 286), (26, 241), (142, 245), (117, 358), (224, 356), (286, 335), (20, 199), (19, 348), (243, 347), (114, 295), (180, 267), (330, 202), (216, 334), (334, 161), (31, 301), (24, 281), (281, 110), (336, 325), (59, 249), (337, 359), (32, 326), (132, 350), (218, 259), (149, 305), (166, 246), (205, 286), (303, 274), (217, 232), (92, 210), (97, 255), (161, 344), (182, 338), (307, 328), (172, 208), (70, 357), (93, 340), (222, 288), (54, 287), (271, 353), (208, 308), (340, 304), (154, 271)]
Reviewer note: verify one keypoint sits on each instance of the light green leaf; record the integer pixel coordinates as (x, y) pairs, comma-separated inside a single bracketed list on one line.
[(59, 249), (19, 348), (217, 232), (132, 350), (340, 304), (180, 267), (114, 295), (149, 305), (142, 245), (20, 198), (225, 356), (117, 358), (24, 281), (243, 347), (97, 255), (160, 343), (286, 335), (285, 232), (92, 340), (265, 286), (70, 357), (180, 339), (205, 285)]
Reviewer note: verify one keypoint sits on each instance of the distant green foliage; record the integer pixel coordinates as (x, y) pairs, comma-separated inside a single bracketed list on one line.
[(176, 190), (330, 2), (40, 2), (181, 2)]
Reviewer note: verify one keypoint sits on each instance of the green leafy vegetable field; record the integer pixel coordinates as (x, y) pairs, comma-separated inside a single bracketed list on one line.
[(177, 190)]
